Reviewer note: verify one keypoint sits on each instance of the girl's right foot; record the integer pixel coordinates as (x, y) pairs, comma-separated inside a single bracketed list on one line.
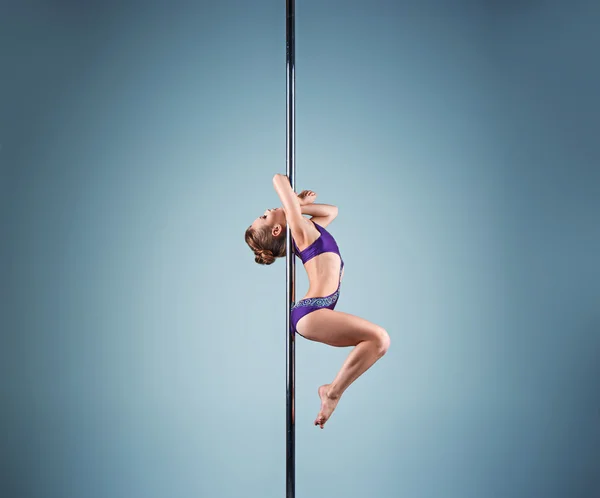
[(327, 406)]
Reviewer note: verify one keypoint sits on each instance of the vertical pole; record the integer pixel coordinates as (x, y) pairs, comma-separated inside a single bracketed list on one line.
[(290, 471)]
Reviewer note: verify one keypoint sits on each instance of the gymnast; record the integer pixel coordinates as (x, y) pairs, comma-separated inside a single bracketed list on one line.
[(314, 316)]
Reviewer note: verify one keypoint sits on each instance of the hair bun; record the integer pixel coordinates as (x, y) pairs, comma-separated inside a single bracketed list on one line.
[(264, 257)]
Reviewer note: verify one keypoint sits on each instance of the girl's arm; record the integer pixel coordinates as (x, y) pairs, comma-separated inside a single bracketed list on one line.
[(291, 205), (322, 214), (320, 210)]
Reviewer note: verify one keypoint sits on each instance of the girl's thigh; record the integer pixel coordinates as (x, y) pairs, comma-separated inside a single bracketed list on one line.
[(337, 328)]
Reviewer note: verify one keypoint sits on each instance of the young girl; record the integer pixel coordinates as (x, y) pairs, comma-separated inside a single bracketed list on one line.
[(313, 317)]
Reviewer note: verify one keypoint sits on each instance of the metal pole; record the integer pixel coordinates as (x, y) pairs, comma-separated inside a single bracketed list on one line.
[(290, 470)]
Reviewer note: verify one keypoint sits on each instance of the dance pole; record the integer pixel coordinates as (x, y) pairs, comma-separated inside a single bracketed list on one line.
[(290, 461)]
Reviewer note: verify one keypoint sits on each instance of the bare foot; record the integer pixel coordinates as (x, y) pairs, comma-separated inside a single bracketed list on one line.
[(327, 406)]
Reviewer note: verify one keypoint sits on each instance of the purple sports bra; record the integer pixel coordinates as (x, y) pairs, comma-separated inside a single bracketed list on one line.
[(325, 243)]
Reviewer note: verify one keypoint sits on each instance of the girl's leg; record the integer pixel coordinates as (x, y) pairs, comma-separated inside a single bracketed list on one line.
[(340, 329)]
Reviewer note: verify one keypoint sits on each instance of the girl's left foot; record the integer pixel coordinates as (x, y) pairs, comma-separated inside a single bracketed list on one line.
[(327, 406)]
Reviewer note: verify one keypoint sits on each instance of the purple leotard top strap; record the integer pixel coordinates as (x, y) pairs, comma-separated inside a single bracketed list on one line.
[(325, 243)]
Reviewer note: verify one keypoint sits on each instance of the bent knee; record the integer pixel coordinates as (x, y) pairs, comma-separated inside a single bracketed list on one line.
[(383, 341)]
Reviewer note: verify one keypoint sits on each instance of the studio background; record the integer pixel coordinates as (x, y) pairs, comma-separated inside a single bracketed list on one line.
[(143, 350)]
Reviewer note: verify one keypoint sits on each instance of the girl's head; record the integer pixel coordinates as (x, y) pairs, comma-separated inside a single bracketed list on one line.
[(266, 236)]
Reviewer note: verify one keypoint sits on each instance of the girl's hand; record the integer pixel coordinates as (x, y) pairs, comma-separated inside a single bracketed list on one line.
[(306, 197)]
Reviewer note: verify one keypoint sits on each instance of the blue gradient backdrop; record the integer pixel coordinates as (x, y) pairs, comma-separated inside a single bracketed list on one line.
[(143, 351)]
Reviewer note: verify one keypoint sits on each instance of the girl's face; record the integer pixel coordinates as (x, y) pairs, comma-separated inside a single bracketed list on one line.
[(270, 218)]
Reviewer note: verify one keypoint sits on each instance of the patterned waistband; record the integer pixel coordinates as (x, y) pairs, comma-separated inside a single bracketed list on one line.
[(317, 301)]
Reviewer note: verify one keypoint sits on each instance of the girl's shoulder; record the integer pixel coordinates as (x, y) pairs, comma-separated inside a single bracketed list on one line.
[(310, 232)]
